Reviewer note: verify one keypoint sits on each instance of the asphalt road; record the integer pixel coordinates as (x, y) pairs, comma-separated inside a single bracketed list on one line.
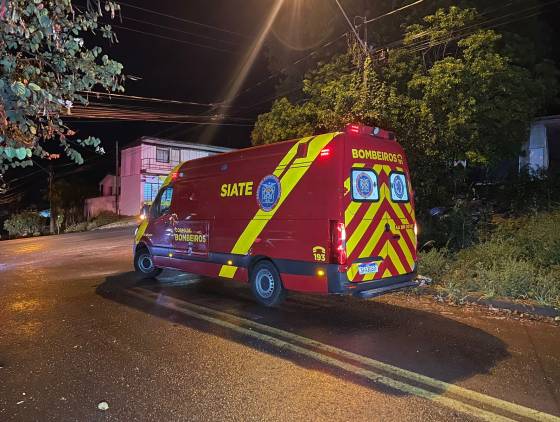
[(78, 327)]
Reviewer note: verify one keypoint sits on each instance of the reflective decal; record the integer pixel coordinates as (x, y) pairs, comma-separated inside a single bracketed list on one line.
[(269, 192), (399, 191), (364, 185)]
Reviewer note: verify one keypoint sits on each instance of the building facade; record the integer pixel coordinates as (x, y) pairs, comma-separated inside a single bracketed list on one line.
[(143, 168), (542, 149), (104, 202)]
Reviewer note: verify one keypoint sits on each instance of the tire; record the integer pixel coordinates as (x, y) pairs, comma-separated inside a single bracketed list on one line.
[(144, 264), (266, 284)]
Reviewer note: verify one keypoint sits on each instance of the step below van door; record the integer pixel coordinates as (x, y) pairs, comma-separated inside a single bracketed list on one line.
[(191, 239)]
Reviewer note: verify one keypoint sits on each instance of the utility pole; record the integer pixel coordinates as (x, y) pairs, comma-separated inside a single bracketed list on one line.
[(117, 178), (353, 28), (52, 221)]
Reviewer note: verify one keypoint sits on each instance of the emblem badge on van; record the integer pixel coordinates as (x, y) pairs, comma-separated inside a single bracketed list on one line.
[(364, 185), (268, 192)]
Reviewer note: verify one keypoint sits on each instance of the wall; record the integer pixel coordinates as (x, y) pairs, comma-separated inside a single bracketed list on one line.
[(93, 206), (130, 161), (106, 185), (130, 200)]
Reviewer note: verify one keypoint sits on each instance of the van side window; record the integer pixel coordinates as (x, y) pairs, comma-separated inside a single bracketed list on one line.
[(162, 204), (365, 186), (399, 186)]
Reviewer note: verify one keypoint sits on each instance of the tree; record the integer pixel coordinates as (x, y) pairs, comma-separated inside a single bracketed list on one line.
[(46, 65), (450, 94), (67, 198)]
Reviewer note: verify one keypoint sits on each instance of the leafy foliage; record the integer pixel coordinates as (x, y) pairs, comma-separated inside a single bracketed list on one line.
[(24, 224), (519, 259), (459, 98), (45, 66)]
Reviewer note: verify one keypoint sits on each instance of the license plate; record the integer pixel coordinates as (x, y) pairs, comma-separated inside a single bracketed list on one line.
[(369, 268)]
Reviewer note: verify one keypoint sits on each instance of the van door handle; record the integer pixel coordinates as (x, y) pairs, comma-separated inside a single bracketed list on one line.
[(396, 236)]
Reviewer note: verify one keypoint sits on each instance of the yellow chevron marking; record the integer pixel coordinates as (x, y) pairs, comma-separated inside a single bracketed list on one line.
[(288, 181), (386, 273), (359, 232), (372, 242), (391, 253), (375, 237), (351, 273)]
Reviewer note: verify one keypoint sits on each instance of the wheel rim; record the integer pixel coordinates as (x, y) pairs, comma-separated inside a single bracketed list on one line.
[(264, 283), (145, 263)]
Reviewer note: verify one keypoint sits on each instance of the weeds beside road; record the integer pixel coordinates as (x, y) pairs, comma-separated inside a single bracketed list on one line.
[(518, 258)]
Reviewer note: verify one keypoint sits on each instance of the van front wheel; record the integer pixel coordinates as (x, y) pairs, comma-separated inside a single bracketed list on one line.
[(144, 263), (266, 284)]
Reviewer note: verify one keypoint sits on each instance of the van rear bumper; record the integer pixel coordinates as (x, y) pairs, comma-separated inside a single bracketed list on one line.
[(339, 284)]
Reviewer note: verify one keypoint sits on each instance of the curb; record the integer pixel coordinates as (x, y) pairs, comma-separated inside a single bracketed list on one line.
[(538, 310), (499, 304)]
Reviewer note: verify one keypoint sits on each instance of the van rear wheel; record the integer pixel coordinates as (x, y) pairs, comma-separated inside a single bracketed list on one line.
[(266, 284), (144, 264)]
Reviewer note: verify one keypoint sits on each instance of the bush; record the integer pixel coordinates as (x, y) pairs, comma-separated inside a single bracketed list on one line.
[(520, 259), (433, 263), (103, 218), (24, 224), (77, 227)]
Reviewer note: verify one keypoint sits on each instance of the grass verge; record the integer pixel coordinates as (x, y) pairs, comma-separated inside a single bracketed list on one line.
[(519, 259)]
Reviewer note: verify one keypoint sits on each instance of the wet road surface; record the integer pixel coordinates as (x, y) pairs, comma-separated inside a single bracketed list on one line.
[(78, 327)]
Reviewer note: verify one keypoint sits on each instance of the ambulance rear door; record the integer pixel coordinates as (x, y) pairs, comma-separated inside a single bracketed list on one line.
[(378, 210)]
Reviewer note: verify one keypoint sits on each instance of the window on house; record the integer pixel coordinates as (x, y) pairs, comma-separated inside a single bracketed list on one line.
[(175, 156), (150, 191), (162, 155)]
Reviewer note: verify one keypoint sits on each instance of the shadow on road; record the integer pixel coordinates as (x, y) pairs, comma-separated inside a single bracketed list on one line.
[(419, 341)]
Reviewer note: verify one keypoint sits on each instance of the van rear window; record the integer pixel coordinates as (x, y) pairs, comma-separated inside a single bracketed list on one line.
[(399, 187), (365, 187)]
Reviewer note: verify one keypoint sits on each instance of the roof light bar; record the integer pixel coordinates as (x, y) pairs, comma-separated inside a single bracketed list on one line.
[(357, 129)]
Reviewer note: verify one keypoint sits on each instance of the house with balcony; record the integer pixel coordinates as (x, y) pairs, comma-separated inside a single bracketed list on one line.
[(144, 165)]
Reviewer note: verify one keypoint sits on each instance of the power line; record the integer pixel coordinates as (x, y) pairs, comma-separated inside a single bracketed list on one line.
[(164, 37), (227, 31), (424, 44), (147, 99), (393, 12), (399, 41), (100, 110), (170, 28), (327, 44)]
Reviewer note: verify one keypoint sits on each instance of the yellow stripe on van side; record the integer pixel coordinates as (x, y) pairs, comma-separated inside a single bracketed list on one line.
[(289, 180)]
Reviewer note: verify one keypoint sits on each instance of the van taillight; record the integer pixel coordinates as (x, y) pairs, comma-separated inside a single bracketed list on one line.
[(338, 249)]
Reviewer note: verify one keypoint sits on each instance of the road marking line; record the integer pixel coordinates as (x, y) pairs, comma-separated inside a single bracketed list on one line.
[(403, 373)]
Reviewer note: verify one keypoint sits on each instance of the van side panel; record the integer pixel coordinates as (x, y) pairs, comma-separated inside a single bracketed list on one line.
[(221, 191)]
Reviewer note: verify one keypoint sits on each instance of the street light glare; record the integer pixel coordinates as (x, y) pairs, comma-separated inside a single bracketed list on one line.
[(244, 68)]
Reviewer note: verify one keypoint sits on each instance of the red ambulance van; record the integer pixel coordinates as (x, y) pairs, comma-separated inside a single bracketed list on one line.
[(332, 213)]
